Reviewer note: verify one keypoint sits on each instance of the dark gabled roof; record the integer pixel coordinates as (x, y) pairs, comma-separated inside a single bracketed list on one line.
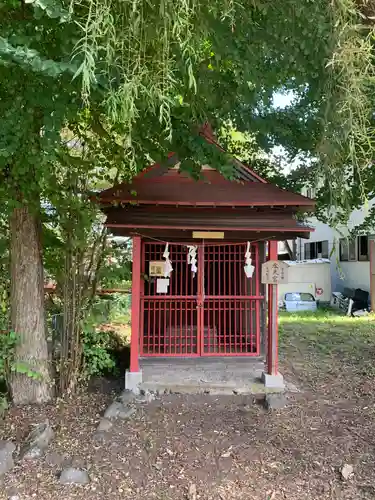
[(213, 190), (164, 184)]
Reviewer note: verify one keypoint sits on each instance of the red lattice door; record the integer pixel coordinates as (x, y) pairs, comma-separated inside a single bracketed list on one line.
[(169, 320), (230, 302), (213, 313)]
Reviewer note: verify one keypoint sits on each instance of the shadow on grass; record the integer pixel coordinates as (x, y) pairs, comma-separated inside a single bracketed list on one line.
[(328, 334)]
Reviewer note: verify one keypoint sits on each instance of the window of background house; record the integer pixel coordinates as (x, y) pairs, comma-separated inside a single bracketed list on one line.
[(363, 248), (322, 249), (347, 250), (310, 192), (310, 251), (313, 250), (352, 250), (307, 251), (316, 250), (344, 249), (325, 249)]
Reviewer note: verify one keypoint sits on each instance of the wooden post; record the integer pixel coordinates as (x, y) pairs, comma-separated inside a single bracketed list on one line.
[(372, 274), (273, 327), (136, 304)]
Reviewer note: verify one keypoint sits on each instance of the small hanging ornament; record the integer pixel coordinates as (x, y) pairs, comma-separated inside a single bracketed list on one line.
[(248, 267), (167, 264), (192, 258)]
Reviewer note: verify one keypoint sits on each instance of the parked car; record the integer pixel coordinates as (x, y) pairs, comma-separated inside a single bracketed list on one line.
[(299, 301)]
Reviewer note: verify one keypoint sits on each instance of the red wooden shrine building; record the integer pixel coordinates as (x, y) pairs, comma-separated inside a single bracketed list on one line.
[(192, 239)]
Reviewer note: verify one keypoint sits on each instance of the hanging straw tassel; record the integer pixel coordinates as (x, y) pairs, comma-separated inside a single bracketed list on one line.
[(167, 264), (248, 267), (192, 258)]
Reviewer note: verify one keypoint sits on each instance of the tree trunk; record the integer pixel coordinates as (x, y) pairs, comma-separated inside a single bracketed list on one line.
[(27, 309)]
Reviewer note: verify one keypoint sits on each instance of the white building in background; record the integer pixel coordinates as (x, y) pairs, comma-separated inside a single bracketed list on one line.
[(350, 258)]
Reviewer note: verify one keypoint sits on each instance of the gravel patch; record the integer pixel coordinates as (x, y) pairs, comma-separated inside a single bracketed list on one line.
[(218, 447)]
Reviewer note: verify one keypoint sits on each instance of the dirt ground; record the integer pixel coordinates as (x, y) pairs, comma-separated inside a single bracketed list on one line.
[(223, 448)]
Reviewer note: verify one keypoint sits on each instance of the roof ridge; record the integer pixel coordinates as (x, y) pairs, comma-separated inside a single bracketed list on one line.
[(207, 133), (209, 136)]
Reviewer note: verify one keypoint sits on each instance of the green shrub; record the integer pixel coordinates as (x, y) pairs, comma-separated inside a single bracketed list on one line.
[(8, 343), (97, 356)]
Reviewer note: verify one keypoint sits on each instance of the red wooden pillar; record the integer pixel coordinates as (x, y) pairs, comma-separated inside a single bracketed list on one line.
[(273, 327), (136, 304)]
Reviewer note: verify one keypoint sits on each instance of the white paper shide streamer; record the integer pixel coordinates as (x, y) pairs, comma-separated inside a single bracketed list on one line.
[(192, 258), (248, 267), (167, 264)]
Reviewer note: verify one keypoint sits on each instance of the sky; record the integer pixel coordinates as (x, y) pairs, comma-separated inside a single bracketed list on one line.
[(282, 100)]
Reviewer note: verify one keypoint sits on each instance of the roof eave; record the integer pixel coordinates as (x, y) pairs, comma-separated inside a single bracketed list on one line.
[(301, 229), (305, 207)]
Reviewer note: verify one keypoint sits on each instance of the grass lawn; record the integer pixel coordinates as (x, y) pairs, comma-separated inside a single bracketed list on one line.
[(318, 346)]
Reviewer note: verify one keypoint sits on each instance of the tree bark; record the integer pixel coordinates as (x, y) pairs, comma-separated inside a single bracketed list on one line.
[(27, 309)]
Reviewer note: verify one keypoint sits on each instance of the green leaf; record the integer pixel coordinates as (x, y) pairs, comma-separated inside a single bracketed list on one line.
[(31, 59), (53, 9)]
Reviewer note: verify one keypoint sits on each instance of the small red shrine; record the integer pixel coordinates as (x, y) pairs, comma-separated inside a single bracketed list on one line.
[(198, 247)]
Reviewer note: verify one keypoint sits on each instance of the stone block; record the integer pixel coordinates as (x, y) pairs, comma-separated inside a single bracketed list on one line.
[(127, 397), (132, 381), (275, 401), (74, 476), (273, 381), (7, 449), (118, 410), (104, 425), (37, 441)]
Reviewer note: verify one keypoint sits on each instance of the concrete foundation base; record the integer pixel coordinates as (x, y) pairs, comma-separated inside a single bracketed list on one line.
[(273, 381), (132, 381), (209, 375)]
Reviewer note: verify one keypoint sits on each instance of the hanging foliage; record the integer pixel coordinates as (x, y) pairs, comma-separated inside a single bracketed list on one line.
[(153, 68), (136, 49), (346, 147)]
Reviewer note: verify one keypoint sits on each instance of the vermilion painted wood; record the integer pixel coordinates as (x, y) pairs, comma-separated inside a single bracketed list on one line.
[(200, 300), (163, 204), (239, 224), (135, 308), (177, 236), (300, 229), (140, 212), (272, 331), (215, 313)]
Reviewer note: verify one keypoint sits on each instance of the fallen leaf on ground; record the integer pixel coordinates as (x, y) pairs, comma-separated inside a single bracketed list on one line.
[(192, 493), (347, 471)]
